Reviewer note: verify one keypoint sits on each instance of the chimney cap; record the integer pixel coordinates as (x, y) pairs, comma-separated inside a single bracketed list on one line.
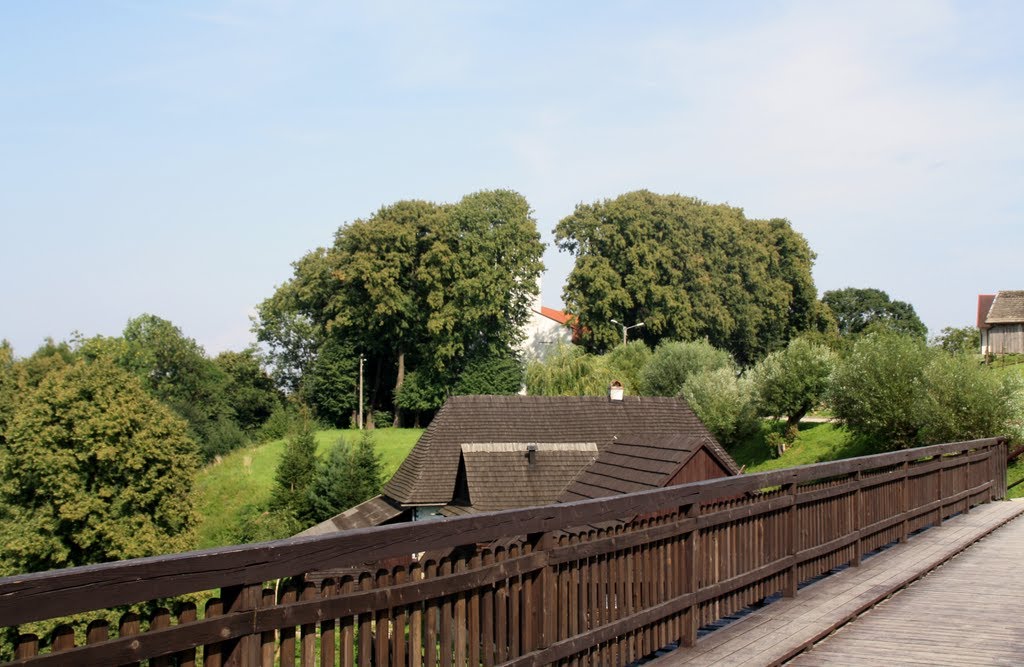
[(615, 391)]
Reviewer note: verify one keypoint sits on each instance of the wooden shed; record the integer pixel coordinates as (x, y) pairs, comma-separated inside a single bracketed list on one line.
[(1001, 322)]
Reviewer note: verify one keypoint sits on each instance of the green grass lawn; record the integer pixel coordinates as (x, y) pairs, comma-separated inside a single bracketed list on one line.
[(246, 476), (816, 443)]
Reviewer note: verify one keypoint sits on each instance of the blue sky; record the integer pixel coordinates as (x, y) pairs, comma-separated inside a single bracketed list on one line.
[(176, 157)]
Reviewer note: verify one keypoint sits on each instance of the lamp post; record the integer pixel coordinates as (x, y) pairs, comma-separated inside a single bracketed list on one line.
[(360, 392), (625, 329)]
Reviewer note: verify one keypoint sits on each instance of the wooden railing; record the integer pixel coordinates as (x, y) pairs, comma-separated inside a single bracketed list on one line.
[(599, 582)]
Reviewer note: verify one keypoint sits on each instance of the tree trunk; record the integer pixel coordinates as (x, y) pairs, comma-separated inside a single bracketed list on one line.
[(398, 385)]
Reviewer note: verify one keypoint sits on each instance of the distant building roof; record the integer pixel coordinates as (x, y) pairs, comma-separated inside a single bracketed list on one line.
[(559, 316), (1007, 308), (984, 305), (428, 474)]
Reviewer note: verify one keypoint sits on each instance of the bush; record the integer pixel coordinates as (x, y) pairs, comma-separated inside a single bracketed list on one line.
[(282, 421), (877, 388), (383, 419), (626, 363), (897, 393), (724, 403), (791, 382), (673, 362), (963, 400)]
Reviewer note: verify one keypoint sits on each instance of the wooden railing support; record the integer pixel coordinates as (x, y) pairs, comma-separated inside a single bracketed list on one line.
[(244, 651), (858, 519), (691, 580), (793, 541)]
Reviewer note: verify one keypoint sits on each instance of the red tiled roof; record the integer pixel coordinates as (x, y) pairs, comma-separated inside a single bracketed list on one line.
[(984, 303), (559, 316)]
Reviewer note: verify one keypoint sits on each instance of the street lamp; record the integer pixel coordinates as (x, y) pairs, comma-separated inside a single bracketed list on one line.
[(626, 329)]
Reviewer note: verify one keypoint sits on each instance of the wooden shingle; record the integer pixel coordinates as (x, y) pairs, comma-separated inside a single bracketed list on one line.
[(428, 474)]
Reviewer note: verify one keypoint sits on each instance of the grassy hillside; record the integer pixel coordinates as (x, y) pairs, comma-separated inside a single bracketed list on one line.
[(246, 477), (816, 443)]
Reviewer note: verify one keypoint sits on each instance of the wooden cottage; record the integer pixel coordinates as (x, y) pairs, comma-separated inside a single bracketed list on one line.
[(484, 453), (1001, 322)]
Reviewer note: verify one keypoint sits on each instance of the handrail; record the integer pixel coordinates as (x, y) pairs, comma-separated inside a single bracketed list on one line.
[(38, 596)]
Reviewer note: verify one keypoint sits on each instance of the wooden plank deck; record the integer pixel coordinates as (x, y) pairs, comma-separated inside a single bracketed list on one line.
[(781, 630), (964, 613)]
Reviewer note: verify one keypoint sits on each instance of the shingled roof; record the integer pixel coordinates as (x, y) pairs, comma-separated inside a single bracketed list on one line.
[(500, 476), (1007, 308), (637, 463), (428, 474)]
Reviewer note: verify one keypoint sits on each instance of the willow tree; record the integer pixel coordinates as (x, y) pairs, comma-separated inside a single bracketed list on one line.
[(687, 270)]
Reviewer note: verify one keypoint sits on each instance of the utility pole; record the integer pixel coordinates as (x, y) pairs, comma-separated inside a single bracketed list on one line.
[(625, 329), (360, 392)]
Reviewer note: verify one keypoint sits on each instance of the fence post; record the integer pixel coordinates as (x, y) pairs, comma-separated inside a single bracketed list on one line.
[(691, 582), (541, 623), (938, 494), (244, 651), (789, 590), (858, 519), (905, 503)]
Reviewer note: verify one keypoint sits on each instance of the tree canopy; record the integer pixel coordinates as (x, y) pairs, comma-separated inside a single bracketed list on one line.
[(858, 309), (688, 270), (93, 469), (792, 381), (417, 286)]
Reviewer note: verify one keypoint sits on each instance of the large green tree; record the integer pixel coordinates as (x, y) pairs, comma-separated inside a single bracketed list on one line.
[(688, 270), (93, 469), (856, 309), (417, 286)]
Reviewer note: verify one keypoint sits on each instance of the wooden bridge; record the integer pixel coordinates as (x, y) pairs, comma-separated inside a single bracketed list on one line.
[(609, 581)]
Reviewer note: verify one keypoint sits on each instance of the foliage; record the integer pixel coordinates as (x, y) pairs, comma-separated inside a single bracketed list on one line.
[(857, 309), (282, 323), (331, 386), (959, 340), (491, 374), (295, 472), (626, 363), (897, 393), (793, 381), (8, 387), (383, 419), (688, 270), (94, 469), (282, 421), (877, 388), (724, 402), (673, 362), (964, 400), (417, 286), (176, 370), (250, 393), (568, 371), (348, 476), (419, 394)]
